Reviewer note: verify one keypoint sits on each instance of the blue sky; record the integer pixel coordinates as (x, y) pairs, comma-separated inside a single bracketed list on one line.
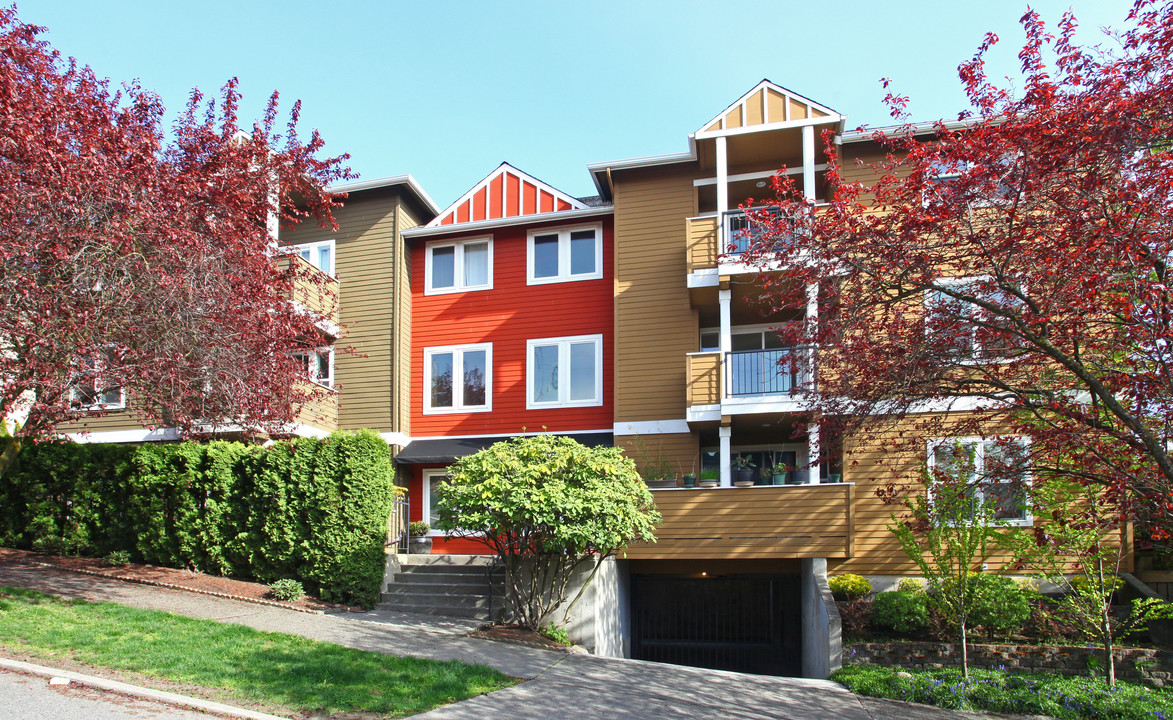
[(447, 90)]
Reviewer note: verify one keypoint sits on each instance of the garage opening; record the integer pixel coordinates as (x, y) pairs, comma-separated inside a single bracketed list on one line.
[(746, 623)]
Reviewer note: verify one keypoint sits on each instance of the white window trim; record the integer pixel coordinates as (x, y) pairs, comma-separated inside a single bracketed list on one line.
[(457, 352), (458, 265), (304, 357), (979, 467), (978, 355), (429, 475), (96, 407), (312, 246), (564, 274), (563, 344)]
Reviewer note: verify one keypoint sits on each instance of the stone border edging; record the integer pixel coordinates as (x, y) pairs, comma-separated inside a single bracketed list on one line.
[(162, 696), (172, 586)]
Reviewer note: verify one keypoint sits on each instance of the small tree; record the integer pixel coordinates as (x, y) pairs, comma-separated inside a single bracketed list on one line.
[(546, 505), (1080, 549), (951, 531)]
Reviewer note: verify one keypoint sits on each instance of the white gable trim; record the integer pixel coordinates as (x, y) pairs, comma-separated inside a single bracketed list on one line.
[(770, 123), (505, 169)]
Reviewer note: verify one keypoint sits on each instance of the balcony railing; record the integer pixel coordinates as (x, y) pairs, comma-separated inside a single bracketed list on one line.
[(741, 229), (314, 290), (704, 378), (776, 371)]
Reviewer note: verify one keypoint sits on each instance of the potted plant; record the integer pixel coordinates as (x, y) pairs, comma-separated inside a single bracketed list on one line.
[(420, 542), (710, 478), (744, 471), (781, 471), (690, 477)]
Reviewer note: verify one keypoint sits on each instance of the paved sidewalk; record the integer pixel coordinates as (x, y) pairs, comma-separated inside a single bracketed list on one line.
[(559, 687)]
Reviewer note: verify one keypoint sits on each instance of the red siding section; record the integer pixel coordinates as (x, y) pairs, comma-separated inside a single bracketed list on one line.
[(505, 194), (507, 316), (440, 545)]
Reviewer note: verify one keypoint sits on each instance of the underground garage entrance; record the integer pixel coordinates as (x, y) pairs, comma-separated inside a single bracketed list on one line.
[(746, 623)]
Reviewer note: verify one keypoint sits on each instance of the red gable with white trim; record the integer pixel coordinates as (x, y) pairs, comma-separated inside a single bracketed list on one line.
[(507, 192)]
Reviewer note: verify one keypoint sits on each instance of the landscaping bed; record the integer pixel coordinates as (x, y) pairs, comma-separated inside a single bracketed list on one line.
[(171, 577), (1064, 698)]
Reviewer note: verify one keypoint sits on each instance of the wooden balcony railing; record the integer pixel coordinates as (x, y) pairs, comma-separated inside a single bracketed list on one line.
[(703, 379), (772, 521), (702, 243), (313, 289), (321, 411)]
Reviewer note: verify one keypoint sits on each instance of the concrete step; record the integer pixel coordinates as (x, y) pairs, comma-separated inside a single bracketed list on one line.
[(415, 601), (449, 560), (441, 589), (455, 578), (477, 570), (444, 611)]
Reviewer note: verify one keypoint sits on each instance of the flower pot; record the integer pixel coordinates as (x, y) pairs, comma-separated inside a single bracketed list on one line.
[(690, 481), (781, 477), (710, 483), (744, 477), (419, 545), (661, 482)]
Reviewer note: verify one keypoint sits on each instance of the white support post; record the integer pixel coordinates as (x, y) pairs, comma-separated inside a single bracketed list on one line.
[(725, 303), (726, 434), (809, 372), (812, 451), (808, 162), (722, 179)]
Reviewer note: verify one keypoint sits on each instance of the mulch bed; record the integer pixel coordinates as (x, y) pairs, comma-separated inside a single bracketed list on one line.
[(517, 636), (173, 578)]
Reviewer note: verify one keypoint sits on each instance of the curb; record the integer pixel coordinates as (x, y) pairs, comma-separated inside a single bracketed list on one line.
[(136, 691), (171, 586)]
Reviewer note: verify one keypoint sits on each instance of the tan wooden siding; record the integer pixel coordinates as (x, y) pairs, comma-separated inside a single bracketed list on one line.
[(704, 379), (365, 264), (702, 243), (654, 323), (321, 411), (675, 453), (402, 344), (319, 297), (115, 420), (758, 522)]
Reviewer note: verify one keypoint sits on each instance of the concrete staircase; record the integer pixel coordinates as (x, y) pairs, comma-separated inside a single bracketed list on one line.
[(447, 585)]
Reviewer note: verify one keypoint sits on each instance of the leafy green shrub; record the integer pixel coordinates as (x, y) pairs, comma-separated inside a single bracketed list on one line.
[(902, 612), (312, 509), (114, 558), (1057, 696), (418, 528), (1002, 607), (1081, 584), (559, 635), (911, 585), (849, 586), (287, 590)]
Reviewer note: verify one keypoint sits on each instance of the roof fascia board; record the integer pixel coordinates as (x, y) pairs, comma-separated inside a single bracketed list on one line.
[(920, 128), (784, 125), (389, 181), (766, 83), (426, 231), (500, 169)]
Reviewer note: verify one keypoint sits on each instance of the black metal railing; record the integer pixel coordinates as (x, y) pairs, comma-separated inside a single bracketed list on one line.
[(742, 228), (397, 527), (763, 372)]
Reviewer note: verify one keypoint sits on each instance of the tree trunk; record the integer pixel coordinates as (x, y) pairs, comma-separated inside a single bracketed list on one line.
[(9, 455), (964, 652), (1109, 655)]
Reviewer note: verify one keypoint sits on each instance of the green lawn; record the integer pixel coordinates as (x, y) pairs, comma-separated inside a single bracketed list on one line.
[(282, 672)]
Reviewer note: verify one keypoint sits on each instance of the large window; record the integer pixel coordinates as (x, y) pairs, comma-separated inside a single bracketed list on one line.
[(459, 266), (317, 365), (995, 470), (967, 330), (432, 480), (564, 255), (458, 378), (564, 372), (319, 254), (93, 388)]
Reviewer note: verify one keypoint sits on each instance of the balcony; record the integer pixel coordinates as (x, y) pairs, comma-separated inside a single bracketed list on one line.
[(314, 291), (320, 411), (751, 378), (715, 246), (789, 521)]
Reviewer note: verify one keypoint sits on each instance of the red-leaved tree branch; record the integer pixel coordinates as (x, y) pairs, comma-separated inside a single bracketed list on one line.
[(134, 263), (1007, 272)]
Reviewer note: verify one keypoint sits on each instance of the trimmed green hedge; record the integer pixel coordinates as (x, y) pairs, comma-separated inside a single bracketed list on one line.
[(309, 509)]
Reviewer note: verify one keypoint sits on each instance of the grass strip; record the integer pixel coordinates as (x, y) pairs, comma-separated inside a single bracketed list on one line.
[(1059, 696), (283, 672)]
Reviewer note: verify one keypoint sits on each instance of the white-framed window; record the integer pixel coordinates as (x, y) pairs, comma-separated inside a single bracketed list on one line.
[(458, 378), (995, 470), (458, 265), (972, 332), (564, 372), (564, 254), (943, 173), (317, 365), (319, 254), (92, 389), (433, 478)]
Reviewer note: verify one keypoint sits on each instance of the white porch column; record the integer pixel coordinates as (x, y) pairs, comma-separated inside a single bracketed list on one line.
[(726, 433), (812, 451), (808, 162), (723, 178), (725, 303), (809, 371)]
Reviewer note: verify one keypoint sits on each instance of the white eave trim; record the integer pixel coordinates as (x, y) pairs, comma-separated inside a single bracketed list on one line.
[(766, 127), (920, 128), (389, 181), (460, 228)]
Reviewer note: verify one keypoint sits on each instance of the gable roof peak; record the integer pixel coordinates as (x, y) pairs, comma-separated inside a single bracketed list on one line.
[(767, 104), (504, 193)]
